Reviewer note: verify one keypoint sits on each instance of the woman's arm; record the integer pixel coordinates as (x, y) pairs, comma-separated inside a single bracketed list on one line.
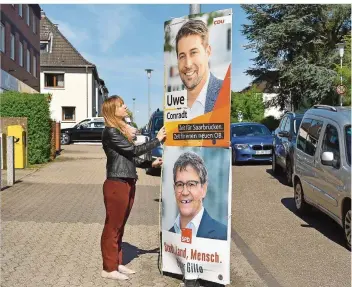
[(120, 144), (142, 163)]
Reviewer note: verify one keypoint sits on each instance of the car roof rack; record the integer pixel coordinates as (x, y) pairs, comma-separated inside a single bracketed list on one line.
[(325, 107)]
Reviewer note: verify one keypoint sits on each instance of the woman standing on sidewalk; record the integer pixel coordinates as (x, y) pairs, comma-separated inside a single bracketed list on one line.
[(120, 184)]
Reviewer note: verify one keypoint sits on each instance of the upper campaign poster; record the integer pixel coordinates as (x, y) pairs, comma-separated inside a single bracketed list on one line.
[(197, 97)]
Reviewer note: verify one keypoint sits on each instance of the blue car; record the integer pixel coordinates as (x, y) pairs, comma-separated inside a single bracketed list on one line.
[(156, 122), (251, 142)]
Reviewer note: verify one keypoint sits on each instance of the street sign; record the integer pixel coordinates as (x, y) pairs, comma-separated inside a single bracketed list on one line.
[(341, 89)]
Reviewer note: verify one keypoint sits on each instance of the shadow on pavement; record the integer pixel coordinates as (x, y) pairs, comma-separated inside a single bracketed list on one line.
[(251, 163), (318, 220), (280, 178), (131, 252), (6, 186)]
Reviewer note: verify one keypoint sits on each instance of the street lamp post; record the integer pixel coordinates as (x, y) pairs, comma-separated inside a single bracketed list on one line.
[(149, 74), (341, 47), (134, 109)]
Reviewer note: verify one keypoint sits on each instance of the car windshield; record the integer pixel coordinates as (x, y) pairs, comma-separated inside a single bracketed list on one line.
[(249, 130), (158, 123), (348, 143), (296, 125)]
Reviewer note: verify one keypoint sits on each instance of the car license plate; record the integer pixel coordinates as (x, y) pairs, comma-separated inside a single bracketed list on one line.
[(263, 152)]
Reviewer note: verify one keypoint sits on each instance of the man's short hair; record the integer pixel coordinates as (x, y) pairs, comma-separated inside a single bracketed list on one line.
[(193, 27), (193, 160)]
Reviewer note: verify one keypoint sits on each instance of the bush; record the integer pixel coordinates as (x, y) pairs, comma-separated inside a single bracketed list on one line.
[(270, 122), (35, 107)]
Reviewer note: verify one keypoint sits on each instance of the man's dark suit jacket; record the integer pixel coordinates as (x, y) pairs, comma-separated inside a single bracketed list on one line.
[(214, 88), (209, 228)]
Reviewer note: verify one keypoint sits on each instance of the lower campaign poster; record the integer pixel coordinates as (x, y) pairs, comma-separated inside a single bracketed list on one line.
[(196, 212)]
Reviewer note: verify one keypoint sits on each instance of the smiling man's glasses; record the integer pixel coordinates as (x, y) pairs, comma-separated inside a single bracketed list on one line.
[(191, 185)]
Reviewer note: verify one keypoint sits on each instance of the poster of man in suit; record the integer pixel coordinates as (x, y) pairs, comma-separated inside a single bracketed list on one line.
[(197, 56), (196, 212)]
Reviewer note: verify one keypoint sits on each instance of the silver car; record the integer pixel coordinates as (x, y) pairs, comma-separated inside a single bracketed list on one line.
[(322, 165)]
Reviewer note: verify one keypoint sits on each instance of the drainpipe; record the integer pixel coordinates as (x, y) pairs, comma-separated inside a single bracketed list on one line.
[(87, 87)]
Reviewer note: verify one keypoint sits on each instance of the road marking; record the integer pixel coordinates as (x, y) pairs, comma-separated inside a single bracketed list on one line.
[(254, 261)]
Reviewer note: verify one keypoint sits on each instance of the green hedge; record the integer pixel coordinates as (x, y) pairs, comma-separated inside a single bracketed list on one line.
[(270, 122), (35, 107)]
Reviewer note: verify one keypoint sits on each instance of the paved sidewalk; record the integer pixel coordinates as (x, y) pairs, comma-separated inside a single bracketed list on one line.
[(52, 222)]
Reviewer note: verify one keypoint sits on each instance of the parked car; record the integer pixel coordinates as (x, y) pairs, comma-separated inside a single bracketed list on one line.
[(322, 169), (89, 129), (156, 122), (284, 142), (251, 142)]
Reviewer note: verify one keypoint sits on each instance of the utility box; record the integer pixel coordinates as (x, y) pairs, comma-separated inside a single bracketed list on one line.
[(19, 135)]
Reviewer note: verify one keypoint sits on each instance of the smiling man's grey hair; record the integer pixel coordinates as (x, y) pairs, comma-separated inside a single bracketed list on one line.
[(195, 161)]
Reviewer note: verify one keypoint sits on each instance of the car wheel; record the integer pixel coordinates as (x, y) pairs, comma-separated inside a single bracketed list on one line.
[(300, 204), (65, 139), (289, 172), (274, 165), (233, 157), (347, 227)]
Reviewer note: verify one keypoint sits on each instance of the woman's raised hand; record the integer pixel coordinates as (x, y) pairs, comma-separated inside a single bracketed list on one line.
[(161, 134)]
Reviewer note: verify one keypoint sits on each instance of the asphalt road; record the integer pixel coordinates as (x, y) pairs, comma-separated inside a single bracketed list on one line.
[(283, 248)]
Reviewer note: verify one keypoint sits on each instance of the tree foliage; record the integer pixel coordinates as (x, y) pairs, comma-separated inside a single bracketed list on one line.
[(249, 104), (295, 48)]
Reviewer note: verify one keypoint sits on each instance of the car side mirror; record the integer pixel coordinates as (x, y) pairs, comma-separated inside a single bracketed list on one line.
[(327, 158), (284, 134)]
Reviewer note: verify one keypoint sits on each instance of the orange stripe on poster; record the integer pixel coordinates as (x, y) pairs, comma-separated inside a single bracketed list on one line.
[(194, 132)]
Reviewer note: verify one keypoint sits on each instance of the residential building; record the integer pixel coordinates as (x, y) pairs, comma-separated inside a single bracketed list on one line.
[(76, 90), (19, 47)]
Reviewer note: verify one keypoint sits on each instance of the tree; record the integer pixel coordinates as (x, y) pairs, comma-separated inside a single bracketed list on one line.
[(296, 49), (249, 103)]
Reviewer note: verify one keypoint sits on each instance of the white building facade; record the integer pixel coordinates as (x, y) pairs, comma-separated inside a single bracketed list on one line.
[(76, 90)]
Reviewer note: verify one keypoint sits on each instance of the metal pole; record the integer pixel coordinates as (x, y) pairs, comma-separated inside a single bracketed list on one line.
[(149, 111), (10, 161), (194, 9), (341, 81), (134, 110)]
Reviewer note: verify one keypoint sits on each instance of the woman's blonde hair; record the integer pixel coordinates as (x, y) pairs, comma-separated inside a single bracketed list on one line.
[(109, 109)]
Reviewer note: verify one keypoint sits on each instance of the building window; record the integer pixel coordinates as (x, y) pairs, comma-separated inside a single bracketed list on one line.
[(20, 54), (20, 10), (68, 113), (44, 47), (2, 43), (34, 24), (54, 80), (12, 46), (34, 66), (27, 15), (28, 61)]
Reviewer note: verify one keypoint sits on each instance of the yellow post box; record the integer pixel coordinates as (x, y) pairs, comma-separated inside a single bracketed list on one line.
[(19, 135)]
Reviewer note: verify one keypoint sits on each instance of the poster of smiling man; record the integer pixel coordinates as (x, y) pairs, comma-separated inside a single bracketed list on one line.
[(197, 97), (196, 208)]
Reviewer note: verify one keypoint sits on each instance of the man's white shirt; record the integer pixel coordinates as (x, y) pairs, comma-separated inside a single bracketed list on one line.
[(198, 106), (193, 224)]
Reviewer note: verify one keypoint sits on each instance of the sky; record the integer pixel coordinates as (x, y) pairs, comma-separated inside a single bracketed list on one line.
[(124, 40)]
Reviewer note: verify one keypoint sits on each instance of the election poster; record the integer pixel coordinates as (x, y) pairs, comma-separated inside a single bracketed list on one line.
[(196, 213), (197, 93)]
